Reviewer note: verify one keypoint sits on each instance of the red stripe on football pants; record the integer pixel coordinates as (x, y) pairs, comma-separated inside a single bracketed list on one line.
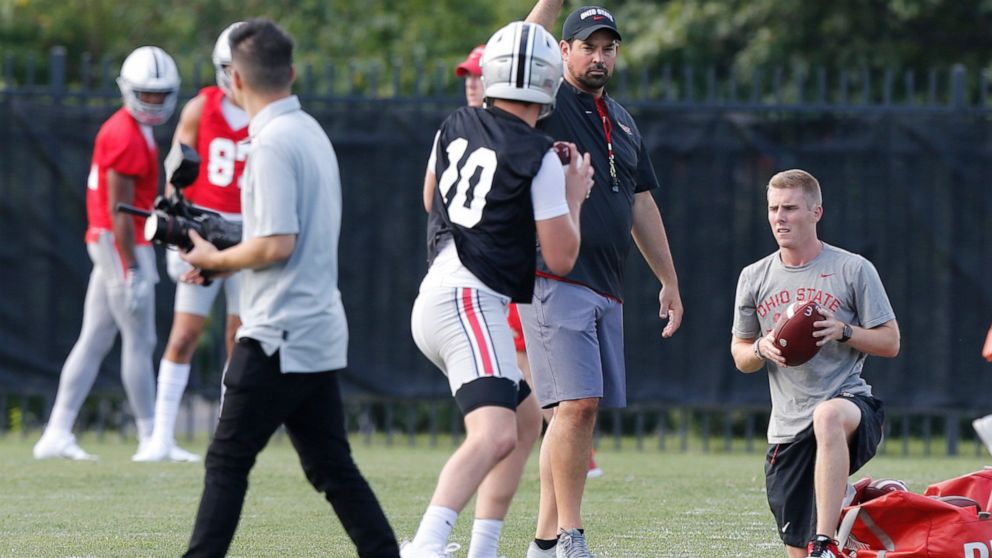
[(480, 338)]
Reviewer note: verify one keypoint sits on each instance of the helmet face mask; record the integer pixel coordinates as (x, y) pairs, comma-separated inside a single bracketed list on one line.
[(149, 70), (221, 57), (522, 62)]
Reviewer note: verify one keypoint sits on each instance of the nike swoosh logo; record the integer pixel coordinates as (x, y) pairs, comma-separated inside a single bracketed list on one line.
[(825, 275), (786, 526)]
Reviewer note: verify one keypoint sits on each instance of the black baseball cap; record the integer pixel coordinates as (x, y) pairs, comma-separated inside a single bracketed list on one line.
[(587, 20)]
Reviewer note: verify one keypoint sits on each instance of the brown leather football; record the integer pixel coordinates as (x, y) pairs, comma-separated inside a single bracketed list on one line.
[(564, 155), (794, 334), (881, 487)]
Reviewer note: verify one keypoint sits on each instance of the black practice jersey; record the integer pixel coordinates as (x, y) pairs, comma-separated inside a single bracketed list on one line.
[(485, 162)]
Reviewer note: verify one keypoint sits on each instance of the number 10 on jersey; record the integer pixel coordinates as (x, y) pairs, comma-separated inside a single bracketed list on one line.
[(463, 210)]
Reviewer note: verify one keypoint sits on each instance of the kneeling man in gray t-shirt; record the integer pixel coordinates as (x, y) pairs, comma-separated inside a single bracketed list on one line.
[(825, 424)]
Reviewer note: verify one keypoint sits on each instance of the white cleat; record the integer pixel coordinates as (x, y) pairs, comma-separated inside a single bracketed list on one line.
[(179, 455), (408, 550), (60, 446), (153, 451)]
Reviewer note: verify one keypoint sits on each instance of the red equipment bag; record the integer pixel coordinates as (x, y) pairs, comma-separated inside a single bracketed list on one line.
[(977, 486), (904, 524)]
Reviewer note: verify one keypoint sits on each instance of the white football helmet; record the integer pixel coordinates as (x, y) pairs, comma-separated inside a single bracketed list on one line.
[(522, 63), (222, 57), (149, 70)]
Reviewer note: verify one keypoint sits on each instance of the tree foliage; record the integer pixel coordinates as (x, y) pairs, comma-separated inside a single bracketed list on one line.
[(387, 32), (418, 35), (741, 35)]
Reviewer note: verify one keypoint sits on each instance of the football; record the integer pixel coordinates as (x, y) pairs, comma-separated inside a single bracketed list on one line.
[(564, 155), (794, 334), (881, 487)]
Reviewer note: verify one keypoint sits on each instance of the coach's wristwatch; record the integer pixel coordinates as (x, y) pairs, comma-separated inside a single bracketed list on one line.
[(846, 335)]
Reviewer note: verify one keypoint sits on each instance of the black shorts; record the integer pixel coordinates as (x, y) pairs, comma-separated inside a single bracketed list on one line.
[(491, 392), (789, 471)]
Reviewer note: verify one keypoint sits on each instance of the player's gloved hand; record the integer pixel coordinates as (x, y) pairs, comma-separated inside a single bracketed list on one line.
[(137, 290)]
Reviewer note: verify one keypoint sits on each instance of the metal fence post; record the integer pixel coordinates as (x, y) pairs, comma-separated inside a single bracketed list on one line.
[(959, 96)]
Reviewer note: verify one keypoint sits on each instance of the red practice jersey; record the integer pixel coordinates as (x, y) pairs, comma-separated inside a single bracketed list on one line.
[(121, 146), (222, 153)]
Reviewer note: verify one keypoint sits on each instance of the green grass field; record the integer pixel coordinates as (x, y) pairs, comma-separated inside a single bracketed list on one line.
[(648, 504)]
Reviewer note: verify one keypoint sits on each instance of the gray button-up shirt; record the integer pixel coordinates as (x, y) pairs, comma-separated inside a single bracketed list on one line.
[(292, 186)]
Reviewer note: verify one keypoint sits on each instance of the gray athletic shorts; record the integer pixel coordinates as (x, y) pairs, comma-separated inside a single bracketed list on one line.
[(197, 299), (574, 341)]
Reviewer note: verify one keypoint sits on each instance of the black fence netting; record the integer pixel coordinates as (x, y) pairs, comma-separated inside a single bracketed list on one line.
[(907, 189)]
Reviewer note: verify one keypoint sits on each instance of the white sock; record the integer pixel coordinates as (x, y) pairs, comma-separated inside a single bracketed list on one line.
[(485, 538), (60, 421), (144, 428), (435, 528), (172, 380)]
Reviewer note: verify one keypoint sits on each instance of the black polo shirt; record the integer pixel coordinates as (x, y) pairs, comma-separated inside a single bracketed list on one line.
[(607, 216)]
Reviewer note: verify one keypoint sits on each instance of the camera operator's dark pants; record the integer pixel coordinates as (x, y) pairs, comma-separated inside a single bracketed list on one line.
[(258, 399)]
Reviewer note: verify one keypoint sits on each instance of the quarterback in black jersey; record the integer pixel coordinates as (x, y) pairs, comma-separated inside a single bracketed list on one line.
[(493, 189)]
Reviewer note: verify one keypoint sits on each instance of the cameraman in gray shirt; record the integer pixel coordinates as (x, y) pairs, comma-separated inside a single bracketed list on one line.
[(294, 336)]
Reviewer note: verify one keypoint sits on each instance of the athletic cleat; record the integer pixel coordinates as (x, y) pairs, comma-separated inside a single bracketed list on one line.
[(534, 551), (823, 546), (179, 455), (157, 450), (983, 427), (60, 446), (572, 544), (594, 472), (408, 550), (151, 450)]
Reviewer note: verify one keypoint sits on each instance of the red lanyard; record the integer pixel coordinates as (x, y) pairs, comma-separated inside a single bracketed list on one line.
[(604, 115)]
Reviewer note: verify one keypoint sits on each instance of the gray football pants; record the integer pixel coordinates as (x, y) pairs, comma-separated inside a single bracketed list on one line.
[(104, 315)]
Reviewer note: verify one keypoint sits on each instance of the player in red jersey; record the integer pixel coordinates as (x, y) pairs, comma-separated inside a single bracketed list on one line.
[(215, 124), (120, 295)]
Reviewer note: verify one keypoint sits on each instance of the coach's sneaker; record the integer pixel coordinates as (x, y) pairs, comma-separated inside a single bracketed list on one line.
[(409, 550), (823, 546), (60, 446), (983, 427), (572, 544), (534, 551)]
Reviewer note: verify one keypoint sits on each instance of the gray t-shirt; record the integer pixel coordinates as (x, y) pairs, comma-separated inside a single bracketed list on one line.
[(292, 186), (846, 284)]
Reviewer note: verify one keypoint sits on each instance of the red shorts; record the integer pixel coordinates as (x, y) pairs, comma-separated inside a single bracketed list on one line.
[(518, 331)]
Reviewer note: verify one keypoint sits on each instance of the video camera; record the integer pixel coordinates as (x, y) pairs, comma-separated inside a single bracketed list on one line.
[(171, 218)]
